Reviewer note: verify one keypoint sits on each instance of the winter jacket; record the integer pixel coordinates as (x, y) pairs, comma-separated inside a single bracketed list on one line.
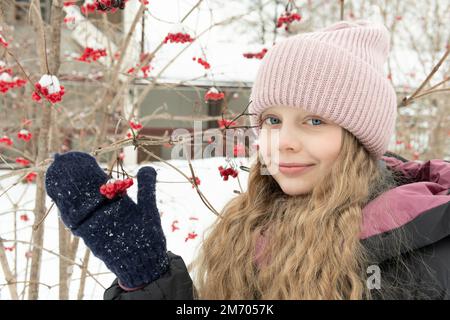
[(409, 249)]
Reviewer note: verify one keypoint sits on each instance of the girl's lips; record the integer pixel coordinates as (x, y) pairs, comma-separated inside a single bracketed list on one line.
[(294, 170)]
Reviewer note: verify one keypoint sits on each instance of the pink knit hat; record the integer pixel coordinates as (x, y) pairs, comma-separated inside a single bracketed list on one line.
[(337, 73)]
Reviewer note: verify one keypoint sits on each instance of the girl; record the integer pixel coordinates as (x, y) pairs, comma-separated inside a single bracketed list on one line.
[(328, 212)]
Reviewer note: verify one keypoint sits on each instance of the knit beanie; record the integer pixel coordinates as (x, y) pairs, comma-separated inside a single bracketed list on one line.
[(336, 73)]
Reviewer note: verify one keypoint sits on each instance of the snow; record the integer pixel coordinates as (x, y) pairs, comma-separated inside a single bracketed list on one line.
[(176, 200)]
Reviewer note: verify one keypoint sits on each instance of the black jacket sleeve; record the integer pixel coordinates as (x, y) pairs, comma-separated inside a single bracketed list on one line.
[(175, 284)]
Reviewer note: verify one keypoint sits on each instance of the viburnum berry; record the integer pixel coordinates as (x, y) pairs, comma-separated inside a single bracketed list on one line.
[(22, 161), (287, 18), (24, 134), (135, 125), (49, 87), (115, 187), (24, 217), (7, 81), (225, 173), (178, 35), (204, 63), (178, 38), (191, 235), (258, 55), (6, 140), (145, 70), (89, 6), (91, 54), (214, 94), (31, 176), (197, 181)]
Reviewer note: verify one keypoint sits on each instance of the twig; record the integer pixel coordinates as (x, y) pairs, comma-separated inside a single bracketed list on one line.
[(406, 100), (53, 253), (36, 226)]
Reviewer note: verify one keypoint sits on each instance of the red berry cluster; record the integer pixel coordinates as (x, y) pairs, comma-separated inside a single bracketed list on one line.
[(30, 177), (88, 8), (204, 63), (91, 54), (225, 123), (6, 140), (40, 90), (24, 134), (197, 181), (213, 94), (6, 85), (22, 161), (287, 18), (145, 69), (117, 187), (6, 80), (135, 125), (69, 3), (258, 55), (24, 217), (178, 37), (225, 173), (191, 235)]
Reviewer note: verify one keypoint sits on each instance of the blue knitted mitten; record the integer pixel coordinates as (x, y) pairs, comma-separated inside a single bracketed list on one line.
[(126, 236)]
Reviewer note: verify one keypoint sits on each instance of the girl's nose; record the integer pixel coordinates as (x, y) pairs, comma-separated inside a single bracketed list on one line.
[(288, 141)]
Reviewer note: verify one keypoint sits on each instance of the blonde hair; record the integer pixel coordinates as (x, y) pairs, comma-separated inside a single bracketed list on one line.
[(313, 249)]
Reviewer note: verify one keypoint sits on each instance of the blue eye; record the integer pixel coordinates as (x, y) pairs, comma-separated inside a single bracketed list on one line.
[(269, 117), (315, 123)]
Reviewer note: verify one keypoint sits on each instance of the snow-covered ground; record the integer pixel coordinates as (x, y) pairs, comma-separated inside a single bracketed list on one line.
[(176, 200)]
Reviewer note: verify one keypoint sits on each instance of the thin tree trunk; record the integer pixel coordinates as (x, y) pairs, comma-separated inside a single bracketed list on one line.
[(63, 264), (87, 254), (52, 62), (9, 277)]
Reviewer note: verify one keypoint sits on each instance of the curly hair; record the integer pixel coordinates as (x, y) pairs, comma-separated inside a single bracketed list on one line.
[(313, 249)]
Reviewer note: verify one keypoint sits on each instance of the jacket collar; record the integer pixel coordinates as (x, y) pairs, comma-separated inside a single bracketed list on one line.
[(409, 216)]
